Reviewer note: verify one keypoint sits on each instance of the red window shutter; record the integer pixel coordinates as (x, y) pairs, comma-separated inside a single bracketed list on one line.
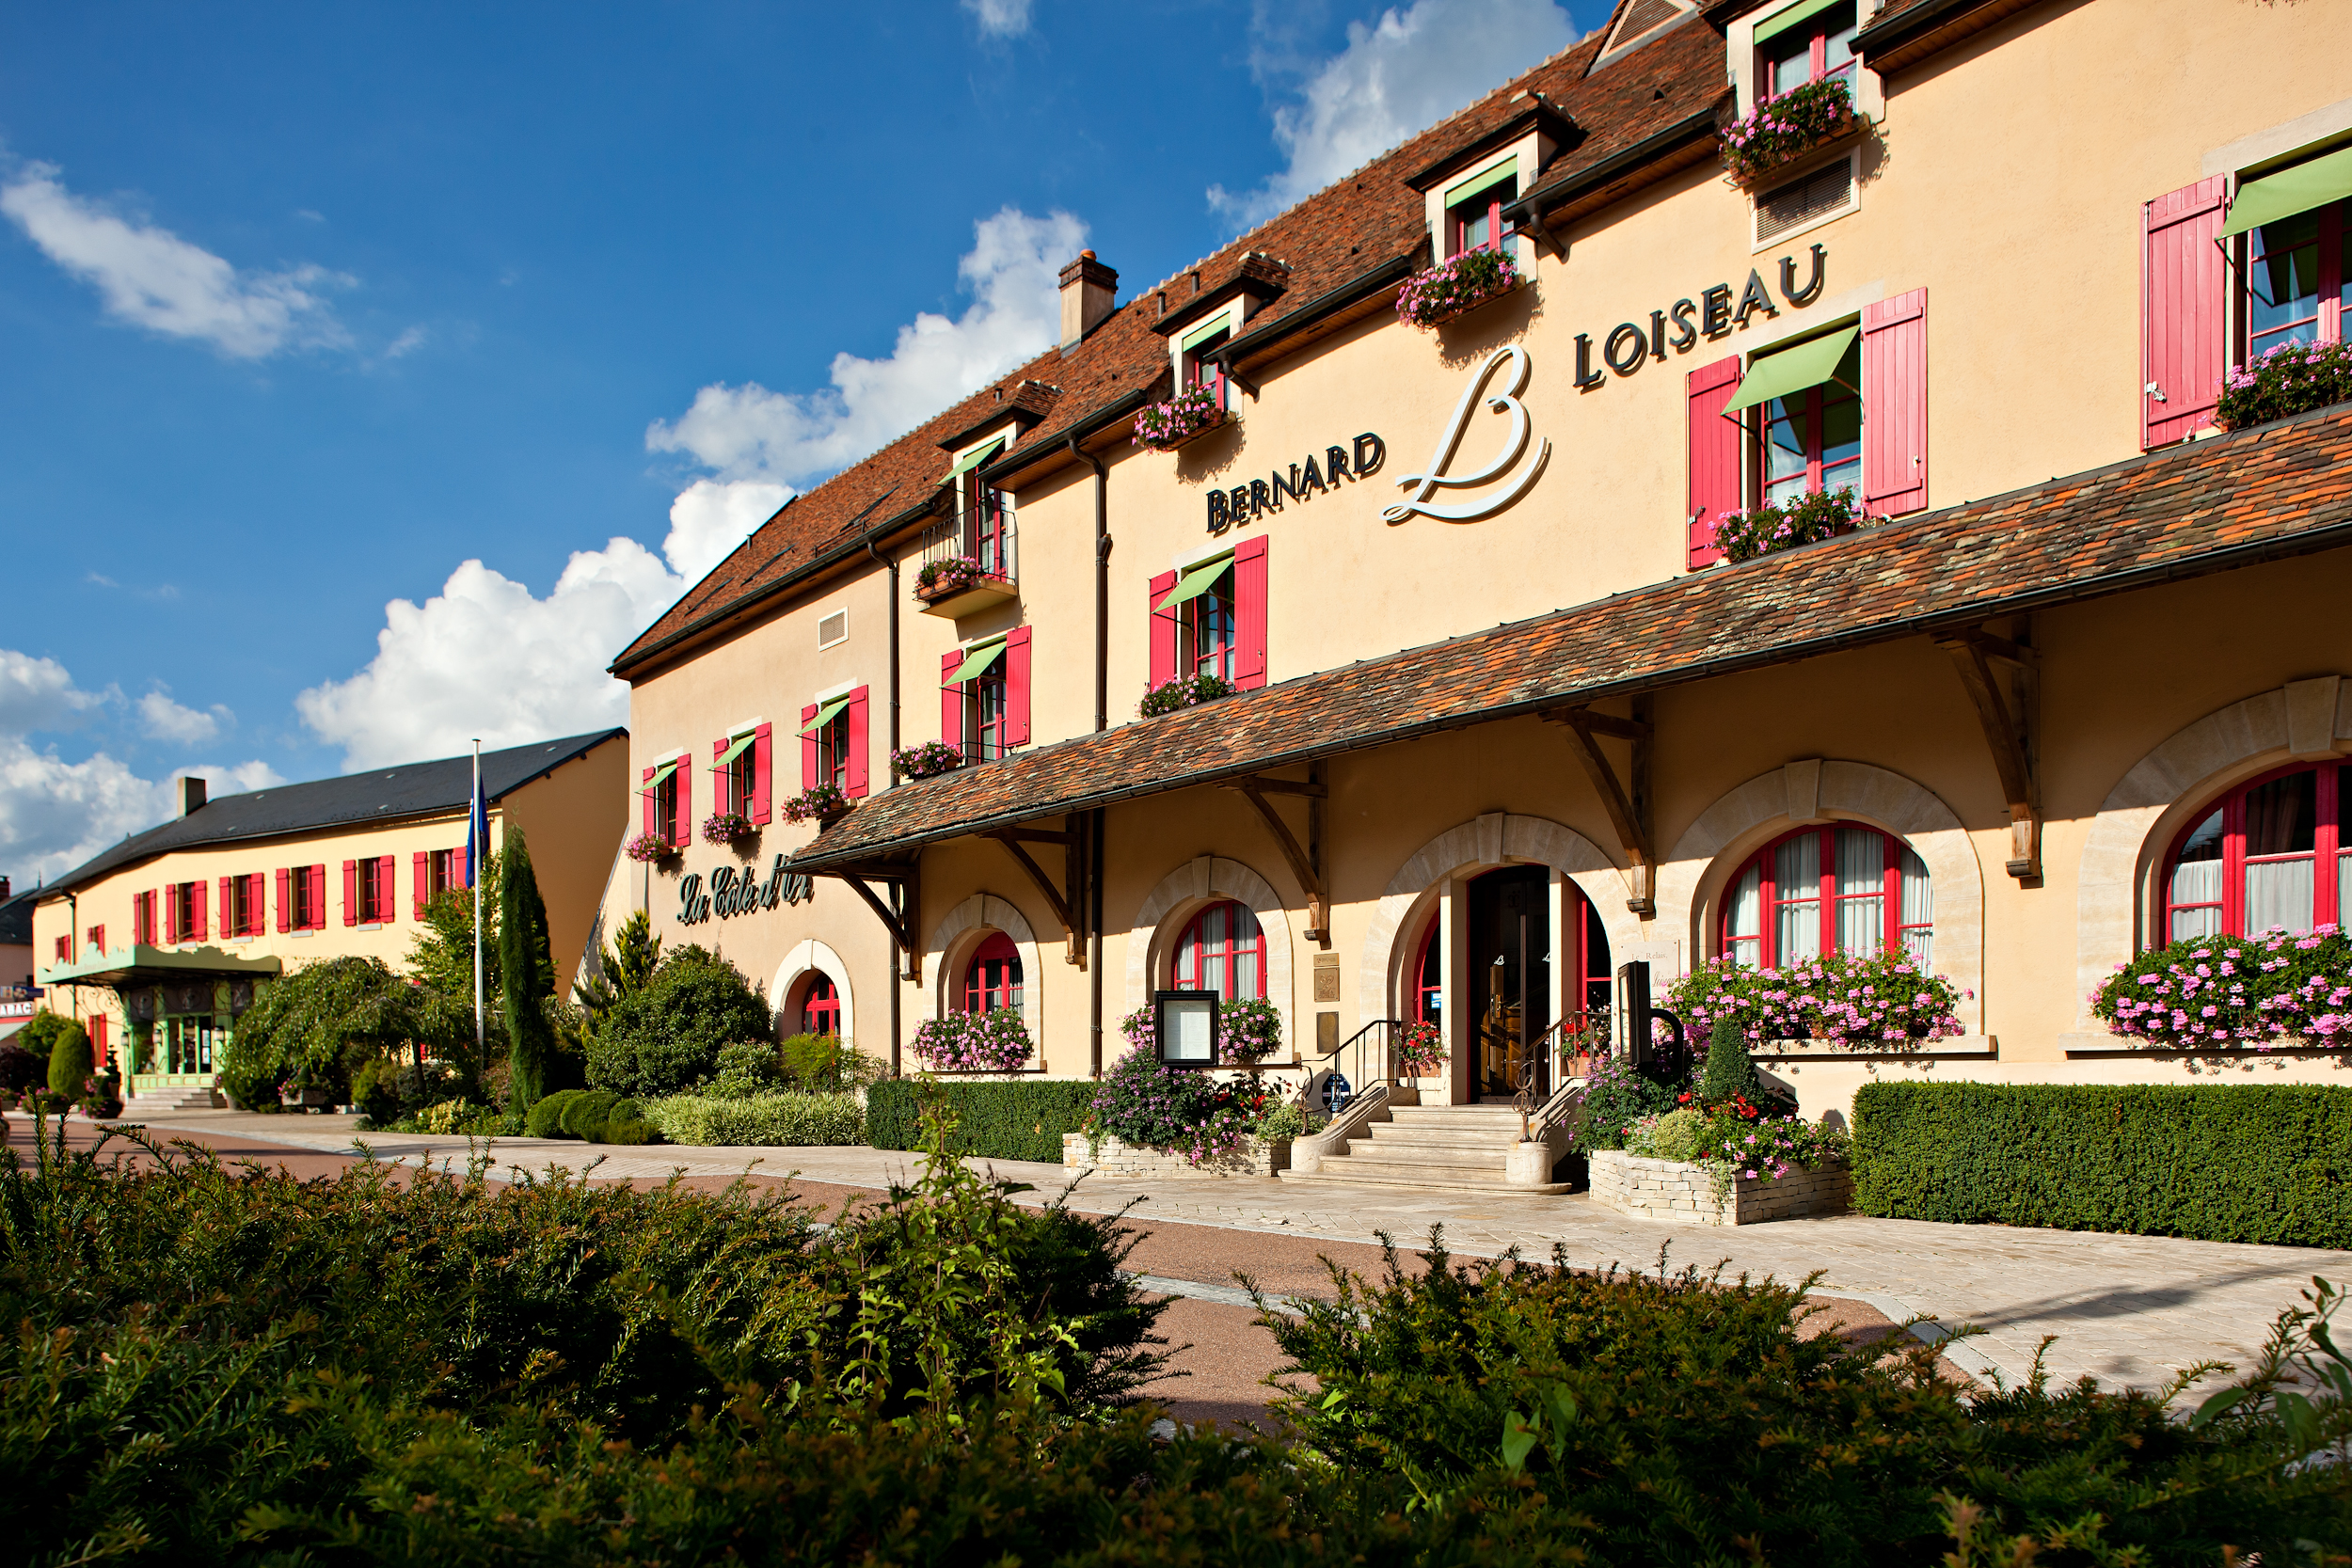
[(285, 899), (457, 866), (386, 890), (351, 892), (857, 768), (258, 901), (720, 792), (685, 776), (811, 764), (1894, 404), (763, 771), (2184, 294), (1017, 687), (1163, 630), (646, 795), (201, 925), (318, 897), (1716, 449), (228, 926), (950, 700), (171, 915), (1249, 613), (421, 875)]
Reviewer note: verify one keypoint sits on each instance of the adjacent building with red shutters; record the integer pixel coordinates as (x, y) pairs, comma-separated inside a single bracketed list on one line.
[(1465, 707), (159, 943)]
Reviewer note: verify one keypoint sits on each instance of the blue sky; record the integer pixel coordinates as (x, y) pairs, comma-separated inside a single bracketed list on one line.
[(374, 373)]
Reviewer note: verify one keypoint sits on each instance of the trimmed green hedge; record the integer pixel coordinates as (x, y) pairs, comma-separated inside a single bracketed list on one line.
[(782, 1119), (1023, 1119), (2220, 1161)]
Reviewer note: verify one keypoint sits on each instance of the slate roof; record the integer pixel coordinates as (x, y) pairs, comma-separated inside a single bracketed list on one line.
[(16, 921), (1358, 224), (2267, 493), (377, 795)]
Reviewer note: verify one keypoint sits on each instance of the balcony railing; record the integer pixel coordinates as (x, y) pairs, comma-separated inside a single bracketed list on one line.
[(983, 533)]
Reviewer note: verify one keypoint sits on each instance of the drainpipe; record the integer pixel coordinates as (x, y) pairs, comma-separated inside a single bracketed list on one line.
[(1101, 722), (891, 563)]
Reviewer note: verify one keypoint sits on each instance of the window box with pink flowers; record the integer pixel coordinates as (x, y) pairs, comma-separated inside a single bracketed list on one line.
[(1186, 417), (1785, 129)]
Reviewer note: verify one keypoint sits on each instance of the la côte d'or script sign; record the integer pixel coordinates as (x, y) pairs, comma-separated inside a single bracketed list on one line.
[(734, 892), (1712, 314)]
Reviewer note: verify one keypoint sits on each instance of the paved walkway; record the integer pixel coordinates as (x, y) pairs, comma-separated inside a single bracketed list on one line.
[(2126, 1309)]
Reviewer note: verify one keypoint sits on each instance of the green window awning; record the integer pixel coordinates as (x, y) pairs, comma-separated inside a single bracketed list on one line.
[(973, 459), (1195, 583), (1792, 370), (663, 772), (1780, 21), (736, 748), (976, 661), (1200, 335), (2290, 191), (1478, 184), (825, 715)]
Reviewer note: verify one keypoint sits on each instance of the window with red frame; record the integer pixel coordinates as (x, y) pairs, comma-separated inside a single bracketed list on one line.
[(374, 890), (98, 938), (1200, 370), (984, 716), (993, 979), (65, 948), (1811, 441), (1222, 950), (242, 906), (1205, 627), (1476, 221), (445, 871), (820, 1007), (666, 805), (1428, 1003), (1818, 46), (833, 751), (183, 925), (988, 526), (1842, 888), (2270, 853), (143, 918), (2295, 283)]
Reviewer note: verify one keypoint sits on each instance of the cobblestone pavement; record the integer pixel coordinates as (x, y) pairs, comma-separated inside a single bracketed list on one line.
[(2126, 1309)]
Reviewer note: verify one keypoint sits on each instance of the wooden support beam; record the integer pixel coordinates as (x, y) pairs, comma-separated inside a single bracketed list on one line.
[(892, 923), (1635, 728), (1303, 866), (1630, 822), (1032, 836), (2009, 721), (1072, 950), (1311, 788)]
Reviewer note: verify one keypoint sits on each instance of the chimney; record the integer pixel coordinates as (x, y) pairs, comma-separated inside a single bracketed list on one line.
[(191, 794), (4, 890), (1089, 289)]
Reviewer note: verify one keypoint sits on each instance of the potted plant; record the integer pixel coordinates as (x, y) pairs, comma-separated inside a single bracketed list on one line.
[(1421, 1048), (726, 826), (994, 1041), (939, 580), (818, 803), (1435, 296), (1814, 517), (1249, 1031), (2291, 378), (1784, 129), (1164, 426), (645, 846), (927, 761), (1181, 693)]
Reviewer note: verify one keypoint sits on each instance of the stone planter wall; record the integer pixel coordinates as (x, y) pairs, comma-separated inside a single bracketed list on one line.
[(1677, 1190), (1113, 1158)]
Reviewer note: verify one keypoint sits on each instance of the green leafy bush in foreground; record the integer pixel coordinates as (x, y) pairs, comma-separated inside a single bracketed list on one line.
[(2221, 1161), (780, 1118), (1020, 1120)]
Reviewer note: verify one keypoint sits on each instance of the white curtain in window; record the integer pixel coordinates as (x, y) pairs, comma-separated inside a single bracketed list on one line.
[(1747, 917), (2277, 893), (1918, 914), (2196, 883), (1797, 915), (1861, 891), (1245, 981)]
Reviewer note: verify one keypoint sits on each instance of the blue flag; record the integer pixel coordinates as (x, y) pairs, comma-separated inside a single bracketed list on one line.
[(477, 825)]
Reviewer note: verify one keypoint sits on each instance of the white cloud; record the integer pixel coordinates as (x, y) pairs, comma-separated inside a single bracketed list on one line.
[(1397, 76), (1002, 19), (151, 277), (1012, 272), (408, 342), (711, 517), (40, 694), (166, 719)]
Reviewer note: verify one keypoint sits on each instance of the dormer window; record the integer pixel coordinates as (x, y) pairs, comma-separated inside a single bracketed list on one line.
[(1474, 209), (1806, 42), (1193, 350)]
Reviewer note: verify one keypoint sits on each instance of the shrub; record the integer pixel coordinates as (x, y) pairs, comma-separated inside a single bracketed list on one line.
[(20, 1069), (667, 1038), (468, 1117), (2221, 1161), (746, 1069), (1146, 1102), (1730, 1070), (526, 971), (546, 1119), (1678, 1135), (311, 1027), (1020, 1120), (625, 1124), (69, 1061), (1863, 1000), (387, 1090), (2290, 379), (2243, 991), (995, 1040), (1181, 691), (1816, 516), (1618, 1095), (1462, 283), (40, 1032), (583, 1115), (785, 1118)]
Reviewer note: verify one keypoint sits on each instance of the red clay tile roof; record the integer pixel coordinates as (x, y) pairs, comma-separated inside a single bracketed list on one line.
[(1339, 234), (2271, 492)]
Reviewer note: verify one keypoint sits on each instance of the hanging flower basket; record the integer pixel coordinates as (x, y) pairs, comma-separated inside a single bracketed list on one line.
[(1431, 298), (819, 804), (1807, 520), (927, 761), (726, 826), (1422, 1050), (1784, 129), (646, 848), (2290, 379), (1165, 426), (1182, 693), (956, 575)]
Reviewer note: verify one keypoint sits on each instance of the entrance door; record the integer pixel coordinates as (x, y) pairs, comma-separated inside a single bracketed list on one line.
[(1510, 979)]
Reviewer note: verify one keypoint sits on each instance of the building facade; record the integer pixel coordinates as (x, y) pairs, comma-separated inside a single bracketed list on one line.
[(1502, 718), (161, 944)]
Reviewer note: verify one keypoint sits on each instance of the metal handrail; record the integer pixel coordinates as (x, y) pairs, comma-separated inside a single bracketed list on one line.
[(1542, 1049), (1391, 1029)]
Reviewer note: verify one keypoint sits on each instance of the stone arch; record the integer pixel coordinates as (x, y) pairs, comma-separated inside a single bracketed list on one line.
[(959, 931), (814, 957), (1816, 790), (1161, 918), (2115, 886), (1498, 838)]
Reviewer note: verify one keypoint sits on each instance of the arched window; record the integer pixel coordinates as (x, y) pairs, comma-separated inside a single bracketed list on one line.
[(1837, 889), (1428, 983), (2270, 853), (1223, 951), (994, 978), (820, 1007)]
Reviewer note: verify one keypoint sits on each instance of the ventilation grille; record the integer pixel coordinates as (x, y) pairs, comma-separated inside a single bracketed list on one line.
[(1800, 202), (1645, 16), (833, 628)]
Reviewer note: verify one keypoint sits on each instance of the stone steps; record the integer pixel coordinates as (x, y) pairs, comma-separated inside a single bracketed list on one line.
[(1457, 1148)]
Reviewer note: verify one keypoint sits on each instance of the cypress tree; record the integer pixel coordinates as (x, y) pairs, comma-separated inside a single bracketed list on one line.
[(526, 975), (1729, 1068), (69, 1061)]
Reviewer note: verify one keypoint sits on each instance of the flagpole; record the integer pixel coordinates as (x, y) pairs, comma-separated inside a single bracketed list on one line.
[(475, 816)]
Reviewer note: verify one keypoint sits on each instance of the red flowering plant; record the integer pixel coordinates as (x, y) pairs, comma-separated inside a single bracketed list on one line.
[(2257, 991), (1816, 516), (1421, 1048), (1457, 285), (1164, 426), (816, 802), (1784, 129)]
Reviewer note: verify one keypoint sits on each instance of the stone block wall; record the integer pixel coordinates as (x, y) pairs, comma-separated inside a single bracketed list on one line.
[(1261, 1157), (1676, 1190)]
